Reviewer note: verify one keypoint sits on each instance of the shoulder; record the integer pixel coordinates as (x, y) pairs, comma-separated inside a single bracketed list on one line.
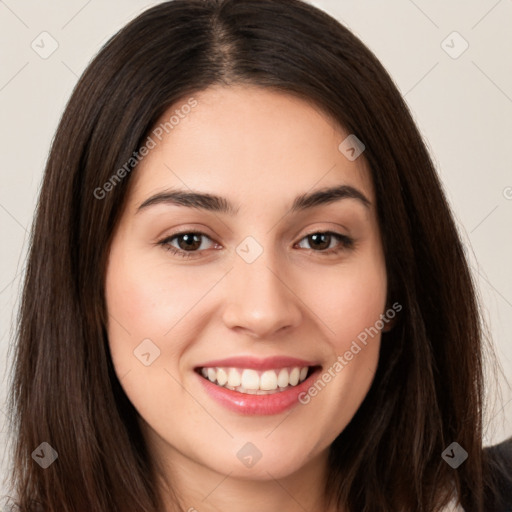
[(499, 459)]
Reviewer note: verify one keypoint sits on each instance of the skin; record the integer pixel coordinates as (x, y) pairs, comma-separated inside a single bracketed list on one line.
[(259, 149)]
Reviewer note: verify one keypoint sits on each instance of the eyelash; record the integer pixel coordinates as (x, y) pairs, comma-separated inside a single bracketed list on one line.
[(346, 243)]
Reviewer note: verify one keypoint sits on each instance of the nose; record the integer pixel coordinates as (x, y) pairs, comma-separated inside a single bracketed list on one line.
[(260, 301)]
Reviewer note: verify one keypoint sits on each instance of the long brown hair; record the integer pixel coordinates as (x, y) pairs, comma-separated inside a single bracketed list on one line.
[(428, 389)]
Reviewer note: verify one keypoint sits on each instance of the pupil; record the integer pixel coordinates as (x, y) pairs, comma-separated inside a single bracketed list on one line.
[(191, 239), (317, 236)]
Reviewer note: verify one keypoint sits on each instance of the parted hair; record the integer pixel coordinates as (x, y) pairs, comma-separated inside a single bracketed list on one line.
[(428, 388)]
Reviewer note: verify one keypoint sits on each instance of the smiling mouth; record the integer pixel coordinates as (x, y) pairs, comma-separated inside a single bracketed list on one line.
[(254, 382)]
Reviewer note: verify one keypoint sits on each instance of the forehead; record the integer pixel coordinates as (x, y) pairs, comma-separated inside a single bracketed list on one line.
[(245, 142)]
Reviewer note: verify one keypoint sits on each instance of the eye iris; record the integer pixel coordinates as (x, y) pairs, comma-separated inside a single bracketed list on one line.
[(192, 241), (317, 237)]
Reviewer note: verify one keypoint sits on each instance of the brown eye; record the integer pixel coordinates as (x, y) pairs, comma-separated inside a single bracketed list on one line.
[(321, 242), (187, 243)]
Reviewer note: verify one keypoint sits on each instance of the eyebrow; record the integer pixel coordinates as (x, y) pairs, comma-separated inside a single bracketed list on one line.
[(214, 203)]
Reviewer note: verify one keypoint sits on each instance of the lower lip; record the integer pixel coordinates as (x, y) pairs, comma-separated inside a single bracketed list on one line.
[(263, 405)]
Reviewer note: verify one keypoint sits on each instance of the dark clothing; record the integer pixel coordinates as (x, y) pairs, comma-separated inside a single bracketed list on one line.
[(501, 454)]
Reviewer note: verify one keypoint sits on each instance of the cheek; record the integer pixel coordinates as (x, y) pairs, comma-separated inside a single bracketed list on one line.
[(148, 299), (147, 307), (139, 307), (349, 303), (358, 309), (350, 300)]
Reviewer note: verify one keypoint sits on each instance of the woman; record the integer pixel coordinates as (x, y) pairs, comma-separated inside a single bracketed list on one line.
[(185, 344)]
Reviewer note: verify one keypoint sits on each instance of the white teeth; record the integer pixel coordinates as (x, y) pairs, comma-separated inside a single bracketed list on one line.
[(268, 380), (234, 379), (294, 376), (255, 382), (222, 376), (282, 378), (250, 379)]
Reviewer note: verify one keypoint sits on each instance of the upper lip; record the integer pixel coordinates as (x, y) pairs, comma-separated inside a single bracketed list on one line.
[(267, 363)]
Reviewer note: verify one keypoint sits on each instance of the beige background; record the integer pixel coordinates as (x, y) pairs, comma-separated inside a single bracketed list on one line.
[(461, 100)]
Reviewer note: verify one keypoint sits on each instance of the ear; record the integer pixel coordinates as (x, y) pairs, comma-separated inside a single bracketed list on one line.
[(390, 316), (389, 325)]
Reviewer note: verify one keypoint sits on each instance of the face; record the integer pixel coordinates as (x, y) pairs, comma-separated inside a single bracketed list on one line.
[(263, 291)]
